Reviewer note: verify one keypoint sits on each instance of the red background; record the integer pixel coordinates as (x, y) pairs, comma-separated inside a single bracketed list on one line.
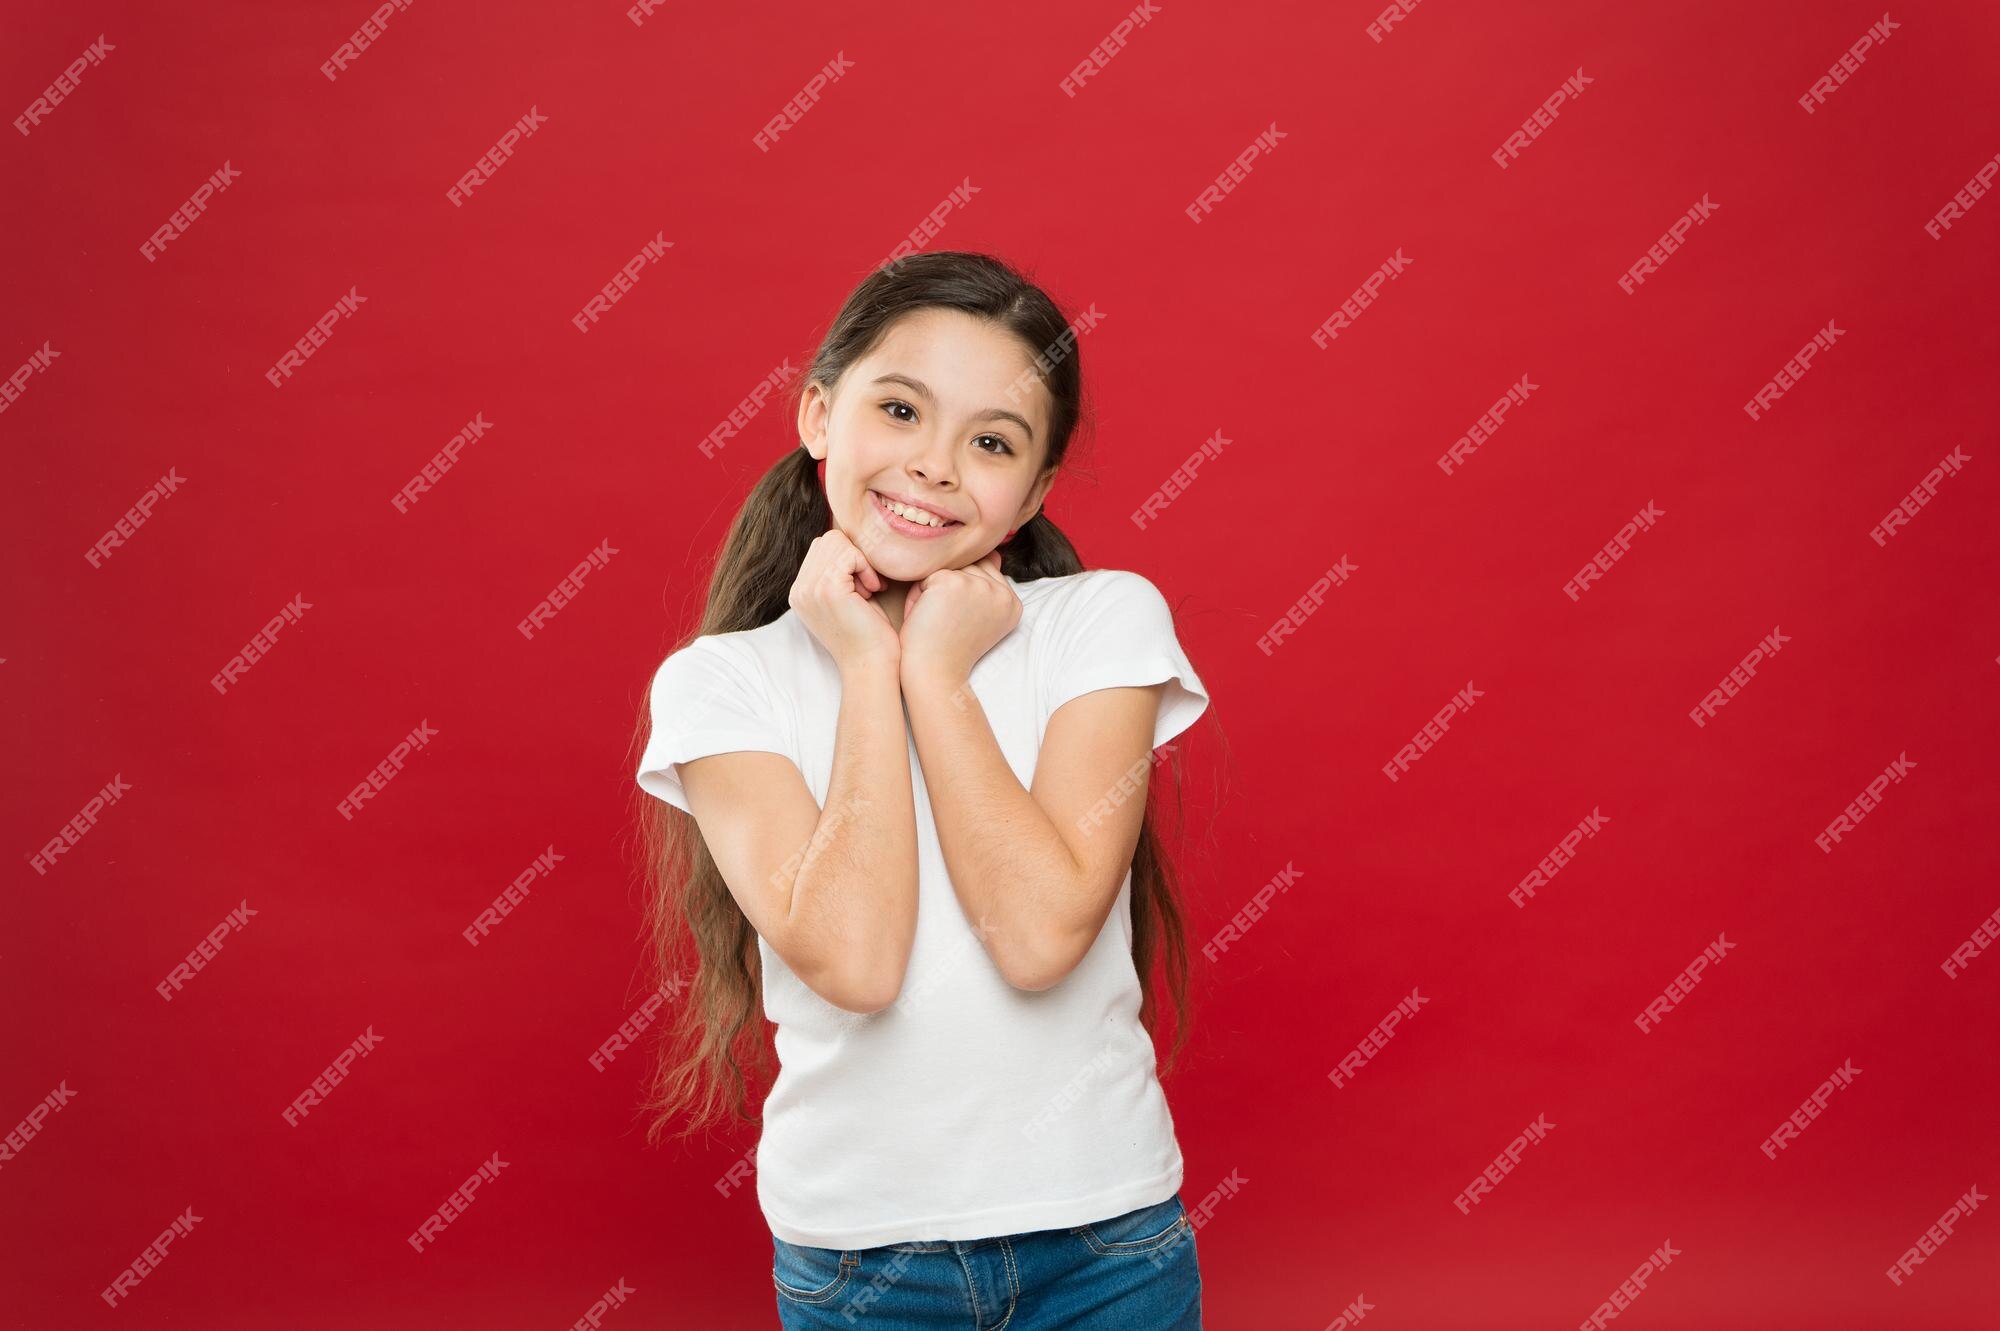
[(1205, 328)]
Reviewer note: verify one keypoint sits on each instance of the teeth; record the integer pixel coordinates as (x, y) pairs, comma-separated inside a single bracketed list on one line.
[(917, 515)]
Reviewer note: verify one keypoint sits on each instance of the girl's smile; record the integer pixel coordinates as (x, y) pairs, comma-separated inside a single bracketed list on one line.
[(935, 443), (930, 526)]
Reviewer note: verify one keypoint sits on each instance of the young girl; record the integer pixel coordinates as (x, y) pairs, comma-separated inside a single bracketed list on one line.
[(915, 738)]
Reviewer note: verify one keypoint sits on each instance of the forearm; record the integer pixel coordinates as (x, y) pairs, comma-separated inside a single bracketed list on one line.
[(855, 893), (1015, 876)]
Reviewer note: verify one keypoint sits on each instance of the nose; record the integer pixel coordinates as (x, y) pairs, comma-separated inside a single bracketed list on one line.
[(932, 464)]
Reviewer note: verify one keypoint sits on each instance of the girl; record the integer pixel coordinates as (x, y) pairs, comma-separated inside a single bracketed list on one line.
[(914, 735)]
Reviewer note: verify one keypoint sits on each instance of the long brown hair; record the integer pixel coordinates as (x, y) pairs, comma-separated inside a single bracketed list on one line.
[(704, 951)]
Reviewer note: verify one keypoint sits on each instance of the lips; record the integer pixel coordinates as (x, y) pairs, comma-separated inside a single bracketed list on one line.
[(905, 525)]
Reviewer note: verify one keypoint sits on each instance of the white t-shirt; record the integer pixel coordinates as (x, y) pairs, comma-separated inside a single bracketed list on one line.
[(968, 1108)]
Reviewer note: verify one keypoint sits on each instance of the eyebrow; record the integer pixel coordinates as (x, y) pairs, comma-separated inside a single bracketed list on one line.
[(990, 414)]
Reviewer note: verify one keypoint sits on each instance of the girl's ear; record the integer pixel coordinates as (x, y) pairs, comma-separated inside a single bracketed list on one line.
[(1036, 494), (814, 408)]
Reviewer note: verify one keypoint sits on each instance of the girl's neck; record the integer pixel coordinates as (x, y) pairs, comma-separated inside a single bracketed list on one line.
[(892, 598)]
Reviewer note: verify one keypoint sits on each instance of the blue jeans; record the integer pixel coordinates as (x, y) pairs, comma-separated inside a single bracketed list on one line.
[(1133, 1272)]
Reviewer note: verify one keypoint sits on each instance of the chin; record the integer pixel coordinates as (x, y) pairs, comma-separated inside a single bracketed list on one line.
[(907, 560), (908, 566)]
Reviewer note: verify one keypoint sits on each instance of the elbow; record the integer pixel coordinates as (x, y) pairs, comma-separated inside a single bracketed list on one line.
[(867, 1002), (860, 974), (862, 993), (1045, 963)]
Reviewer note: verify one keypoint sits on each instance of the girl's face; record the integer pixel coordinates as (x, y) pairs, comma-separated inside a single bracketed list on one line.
[(946, 414)]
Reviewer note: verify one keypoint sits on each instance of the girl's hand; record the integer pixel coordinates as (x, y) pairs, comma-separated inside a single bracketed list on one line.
[(833, 594), (965, 612)]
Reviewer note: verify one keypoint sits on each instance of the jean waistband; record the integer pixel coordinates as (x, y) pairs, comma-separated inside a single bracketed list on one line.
[(942, 1245)]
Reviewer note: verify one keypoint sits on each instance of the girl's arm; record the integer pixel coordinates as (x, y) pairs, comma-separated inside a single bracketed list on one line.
[(1036, 871), (833, 890)]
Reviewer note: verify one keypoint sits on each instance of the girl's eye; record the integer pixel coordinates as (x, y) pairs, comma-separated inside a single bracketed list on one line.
[(1004, 449)]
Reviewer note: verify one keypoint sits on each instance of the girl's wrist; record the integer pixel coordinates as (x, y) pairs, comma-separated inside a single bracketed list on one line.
[(886, 662), (931, 676)]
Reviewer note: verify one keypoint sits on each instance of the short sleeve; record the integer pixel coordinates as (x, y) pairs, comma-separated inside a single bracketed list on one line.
[(707, 699), (1114, 629)]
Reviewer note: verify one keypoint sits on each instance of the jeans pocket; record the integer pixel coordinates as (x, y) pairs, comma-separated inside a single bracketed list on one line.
[(1149, 1229), (811, 1275)]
